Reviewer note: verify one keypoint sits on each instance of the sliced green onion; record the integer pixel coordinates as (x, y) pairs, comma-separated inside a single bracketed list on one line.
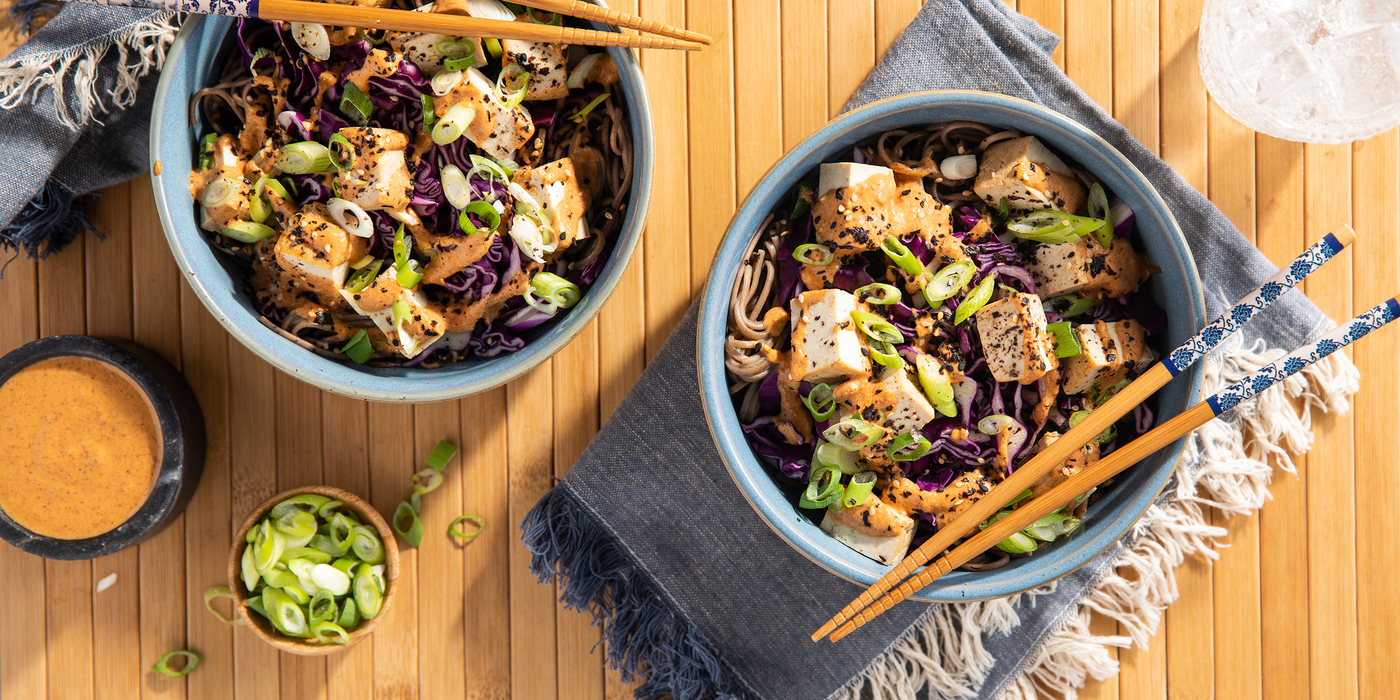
[(400, 314), (1050, 527), (884, 353), (876, 327), (369, 588), (1066, 345), (259, 209), (346, 565), (408, 525), (279, 577), (311, 554), (297, 592), (853, 434), (367, 546), (303, 157), (268, 547), (429, 116), (285, 613), (491, 218), (459, 62), (220, 192), (342, 530), (952, 279), (453, 124), (247, 231), (1017, 544), (994, 424), (359, 348), (820, 401), (879, 293), (383, 37), (899, 253), (296, 526), (938, 387), (588, 108), (206, 150), (813, 254), (1107, 436), (415, 501), (1054, 227), (322, 607), (355, 105), (1098, 209), (553, 288), (326, 632), (409, 275), (1078, 305), (442, 453), (581, 72), (457, 532), (493, 47), (400, 248), (427, 481), (163, 665), (1003, 210), (271, 183), (250, 572), (823, 489), (1023, 496), (349, 615), (830, 455), (342, 153), (363, 277), (322, 543), (975, 299), (255, 604), (511, 85), (219, 592), (501, 169), (329, 578), (908, 447), (454, 186), (802, 195), (859, 489)]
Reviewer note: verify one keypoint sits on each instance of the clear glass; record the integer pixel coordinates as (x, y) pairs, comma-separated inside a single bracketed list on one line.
[(1305, 70)]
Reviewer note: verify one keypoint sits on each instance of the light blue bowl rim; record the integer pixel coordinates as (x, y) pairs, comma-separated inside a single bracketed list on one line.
[(754, 479), (196, 260)]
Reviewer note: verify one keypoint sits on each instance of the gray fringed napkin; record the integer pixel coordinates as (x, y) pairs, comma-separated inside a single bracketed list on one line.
[(698, 594), (76, 101)]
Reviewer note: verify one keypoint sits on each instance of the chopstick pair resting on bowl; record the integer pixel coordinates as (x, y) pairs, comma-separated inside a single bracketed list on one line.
[(880, 596), (457, 21)]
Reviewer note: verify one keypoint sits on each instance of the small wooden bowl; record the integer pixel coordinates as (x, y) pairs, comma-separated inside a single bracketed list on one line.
[(260, 625)]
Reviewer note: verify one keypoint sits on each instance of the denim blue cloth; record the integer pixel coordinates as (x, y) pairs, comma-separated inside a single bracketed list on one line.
[(49, 163), (688, 581)]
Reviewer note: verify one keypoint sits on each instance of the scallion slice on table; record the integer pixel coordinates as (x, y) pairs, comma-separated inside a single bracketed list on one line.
[(163, 665), (953, 278), (442, 453), (214, 592), (899, 253), (975, 299), (427, 481), (407, 523), (879, 294), (813, 254), (355, 105), (853, 434), (455, 531), (303, 157), (820, 401), (859, 489)]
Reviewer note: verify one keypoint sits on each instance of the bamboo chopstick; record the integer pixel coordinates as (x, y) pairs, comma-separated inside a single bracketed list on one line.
[(1131, 454), (1097, 421), (456, 25), (587, 10)]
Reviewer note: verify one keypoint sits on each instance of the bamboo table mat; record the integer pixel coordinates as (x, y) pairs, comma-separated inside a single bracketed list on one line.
[(1298, 606)]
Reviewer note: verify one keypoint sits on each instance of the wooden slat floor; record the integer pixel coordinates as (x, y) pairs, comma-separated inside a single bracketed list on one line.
[(1298, 606)]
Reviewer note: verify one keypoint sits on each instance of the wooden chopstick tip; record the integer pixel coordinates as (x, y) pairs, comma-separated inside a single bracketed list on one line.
[(1344, 235), (825, 630)]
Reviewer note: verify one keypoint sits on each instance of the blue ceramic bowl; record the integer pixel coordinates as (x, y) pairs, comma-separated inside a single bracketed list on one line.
[(1176, 289), (197, 55)]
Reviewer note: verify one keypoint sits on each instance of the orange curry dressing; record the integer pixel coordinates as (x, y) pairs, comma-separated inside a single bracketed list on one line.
[(82, 447)]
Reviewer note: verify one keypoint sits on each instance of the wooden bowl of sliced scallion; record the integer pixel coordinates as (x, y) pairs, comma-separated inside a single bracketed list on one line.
[(313, 570)]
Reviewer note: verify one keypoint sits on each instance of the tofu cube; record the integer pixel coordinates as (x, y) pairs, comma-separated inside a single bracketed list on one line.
[(1029, 176), (1014, 339), (897, 397), (421, 49), (1084, 266), (379, 178), (1110, 353), (874, 529), (852, 213), (555, 187), (1079, 373), (317, 251), (496, 129), (826, 345), (544, 62)]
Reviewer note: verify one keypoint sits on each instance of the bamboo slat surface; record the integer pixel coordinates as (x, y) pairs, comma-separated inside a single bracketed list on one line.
[(1298, 606)]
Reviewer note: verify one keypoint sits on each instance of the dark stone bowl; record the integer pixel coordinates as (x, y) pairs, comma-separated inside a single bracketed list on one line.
[(182, 452)]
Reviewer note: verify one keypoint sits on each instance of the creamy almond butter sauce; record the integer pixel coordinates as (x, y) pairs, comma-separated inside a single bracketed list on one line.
[(82, 447)]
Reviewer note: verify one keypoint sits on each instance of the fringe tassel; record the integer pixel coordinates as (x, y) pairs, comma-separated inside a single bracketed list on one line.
[(140, 49), (1226, 466), (642, 629), (47, 223)]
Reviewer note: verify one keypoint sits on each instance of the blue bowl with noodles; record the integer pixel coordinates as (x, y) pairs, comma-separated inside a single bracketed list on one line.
[(1176, 290), (194, 61)]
